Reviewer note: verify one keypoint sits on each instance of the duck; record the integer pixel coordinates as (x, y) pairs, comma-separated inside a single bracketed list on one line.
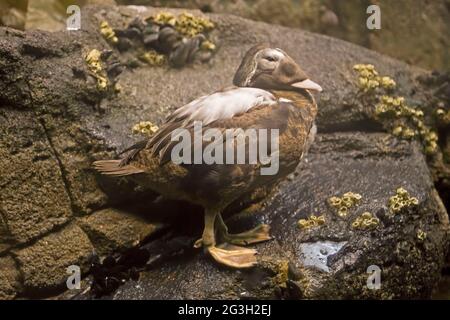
[(270, 91)]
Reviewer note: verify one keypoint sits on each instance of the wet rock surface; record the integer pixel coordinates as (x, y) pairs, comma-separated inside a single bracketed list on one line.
[(56, 121), (331, 260)]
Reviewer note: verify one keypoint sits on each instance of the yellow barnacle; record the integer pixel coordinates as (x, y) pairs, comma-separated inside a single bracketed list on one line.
[(401, 192), (387, 82), (366, 215), (421, 235), (397, 131), (401, 200), (432, 136), (335, 201), (342, 211), (92, 59), (208, 45), (365, 221), (165, 18), (107, 32), (153, 58), (408, 133), (102, 83), (145, 127), (312, 221), (344, 203)]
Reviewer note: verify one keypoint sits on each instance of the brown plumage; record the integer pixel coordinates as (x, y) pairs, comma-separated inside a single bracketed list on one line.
[(270, 92)]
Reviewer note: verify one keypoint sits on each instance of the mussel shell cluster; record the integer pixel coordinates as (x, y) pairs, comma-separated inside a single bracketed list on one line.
[(164, 39)]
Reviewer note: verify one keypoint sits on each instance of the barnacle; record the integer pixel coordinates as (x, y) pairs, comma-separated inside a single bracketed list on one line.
[(344, 203), (153, 58), (312, 221), (165, 18), (117, 87), (442, 115), (411, 119), (185, 23), (145, 127), (369, 80), (95, 67), (401, 200), (400, 119), (387, 83), (421, 235), (107, 32), (365, 221), (208, 45)]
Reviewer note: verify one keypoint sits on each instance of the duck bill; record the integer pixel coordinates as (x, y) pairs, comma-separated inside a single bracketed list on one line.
[(307, 84)]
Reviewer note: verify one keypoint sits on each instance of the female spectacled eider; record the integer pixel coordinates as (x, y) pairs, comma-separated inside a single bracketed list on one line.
[(270, 92)]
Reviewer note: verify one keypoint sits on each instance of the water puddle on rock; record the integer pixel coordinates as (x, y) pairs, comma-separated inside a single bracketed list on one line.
[(315, 254)]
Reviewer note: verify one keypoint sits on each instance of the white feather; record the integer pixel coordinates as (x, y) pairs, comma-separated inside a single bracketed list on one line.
[(223, 105)]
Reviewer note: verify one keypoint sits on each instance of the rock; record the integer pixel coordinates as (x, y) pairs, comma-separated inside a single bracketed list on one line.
[(9, 278), (419, 35), (112, 230), (328, 261), (43, 265), (34, 197), (55, 122)]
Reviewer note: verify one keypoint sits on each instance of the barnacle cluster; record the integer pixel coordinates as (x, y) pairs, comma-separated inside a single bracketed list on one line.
[(312, 221), (369, 79), (421, 235), (365, 221), (93, 61), (401, 200), (145, 127), (153, 58), (344, 203), (185, 23), (402, 120), (407, 121), (108, 33)]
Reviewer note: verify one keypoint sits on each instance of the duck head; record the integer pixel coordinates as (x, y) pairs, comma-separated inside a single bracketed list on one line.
[(271, 68)]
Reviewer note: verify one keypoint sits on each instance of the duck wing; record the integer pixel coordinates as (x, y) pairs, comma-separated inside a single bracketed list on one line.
[(221, 105)]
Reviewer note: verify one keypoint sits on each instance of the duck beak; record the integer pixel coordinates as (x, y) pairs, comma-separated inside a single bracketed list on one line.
[(307, 84)]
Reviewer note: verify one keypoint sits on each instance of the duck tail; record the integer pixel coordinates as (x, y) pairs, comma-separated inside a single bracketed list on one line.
[(115, 168)]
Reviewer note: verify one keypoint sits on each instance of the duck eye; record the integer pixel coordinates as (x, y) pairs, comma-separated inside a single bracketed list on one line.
[(271, 58)]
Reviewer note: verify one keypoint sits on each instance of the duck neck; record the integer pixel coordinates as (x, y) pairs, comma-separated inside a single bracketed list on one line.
[(300, 98)]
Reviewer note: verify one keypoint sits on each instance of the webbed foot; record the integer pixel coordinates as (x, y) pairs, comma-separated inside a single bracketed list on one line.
[(233, 256), (256, 235)]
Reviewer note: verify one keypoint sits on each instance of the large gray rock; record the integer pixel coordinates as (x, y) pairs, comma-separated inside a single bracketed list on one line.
[(331, 260), (57, 123)]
